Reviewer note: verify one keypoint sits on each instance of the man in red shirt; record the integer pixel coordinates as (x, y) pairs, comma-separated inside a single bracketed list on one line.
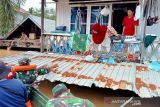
[(129, 24)]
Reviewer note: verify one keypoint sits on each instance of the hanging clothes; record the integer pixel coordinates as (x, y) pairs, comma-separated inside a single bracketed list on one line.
[(137, 13), (151, 11), (80, 42), (78, 22), (148, 40)]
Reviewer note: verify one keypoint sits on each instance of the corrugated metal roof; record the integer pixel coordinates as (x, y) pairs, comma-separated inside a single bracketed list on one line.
[(75, 70), (1, 37), (49, 25)]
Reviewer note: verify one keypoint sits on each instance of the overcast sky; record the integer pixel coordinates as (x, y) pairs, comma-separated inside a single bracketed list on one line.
[(36, 4)]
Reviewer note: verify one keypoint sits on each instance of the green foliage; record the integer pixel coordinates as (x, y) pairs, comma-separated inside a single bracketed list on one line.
[(7, 14), (48, 13)]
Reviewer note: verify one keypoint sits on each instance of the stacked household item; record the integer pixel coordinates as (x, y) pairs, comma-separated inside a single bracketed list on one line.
[(61, 42), (62, 49), (125, 49), (32, 36), (117, 43), (60, 29)]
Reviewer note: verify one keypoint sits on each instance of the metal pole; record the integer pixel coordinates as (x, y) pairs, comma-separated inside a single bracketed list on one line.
[(142, 29), (42, 25)]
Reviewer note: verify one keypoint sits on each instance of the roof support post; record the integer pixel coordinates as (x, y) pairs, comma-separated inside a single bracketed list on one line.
[(143, 24), (42, 25)]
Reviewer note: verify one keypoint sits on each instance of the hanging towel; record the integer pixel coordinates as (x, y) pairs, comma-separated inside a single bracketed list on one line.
[(79, 42), (148, 40)]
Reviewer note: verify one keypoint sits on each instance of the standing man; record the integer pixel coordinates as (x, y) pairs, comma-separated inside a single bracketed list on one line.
[(130, 25), (13, 93)]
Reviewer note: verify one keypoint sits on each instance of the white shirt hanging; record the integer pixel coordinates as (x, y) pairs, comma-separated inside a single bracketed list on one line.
[(137, 13)]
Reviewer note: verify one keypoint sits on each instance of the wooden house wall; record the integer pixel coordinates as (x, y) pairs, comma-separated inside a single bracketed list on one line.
[(64, 16)]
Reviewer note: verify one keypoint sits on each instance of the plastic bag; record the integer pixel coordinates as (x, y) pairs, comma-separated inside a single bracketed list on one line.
[(105, 11)]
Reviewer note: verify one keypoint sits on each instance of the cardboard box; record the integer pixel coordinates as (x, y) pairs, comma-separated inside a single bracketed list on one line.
[(32, 36)]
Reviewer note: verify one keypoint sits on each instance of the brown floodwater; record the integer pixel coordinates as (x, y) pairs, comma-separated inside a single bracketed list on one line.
[(4, 52)]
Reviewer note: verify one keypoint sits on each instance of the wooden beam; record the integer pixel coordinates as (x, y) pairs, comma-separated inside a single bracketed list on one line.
[(143, 25), (95, 1), (42, 24), (55, 0)]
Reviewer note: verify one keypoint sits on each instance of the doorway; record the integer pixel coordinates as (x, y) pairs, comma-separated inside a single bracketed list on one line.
[(119, 12)]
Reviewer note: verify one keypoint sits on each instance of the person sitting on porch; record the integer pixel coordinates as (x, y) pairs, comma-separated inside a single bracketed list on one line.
[(64, 98), (13, 93), (23, 38)]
